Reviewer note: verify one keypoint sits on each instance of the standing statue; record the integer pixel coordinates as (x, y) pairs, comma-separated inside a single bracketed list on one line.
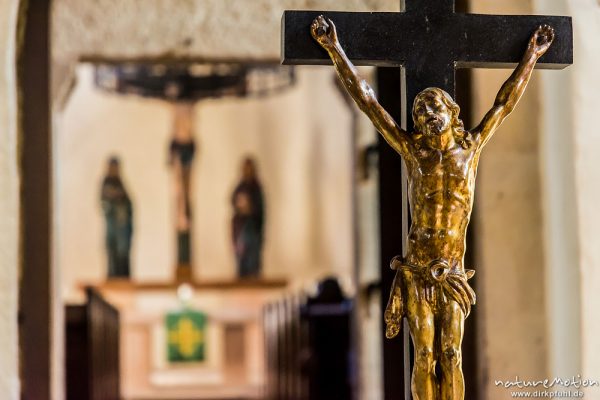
[(430, 287), (248, 221), (181, 156), (118, 214)]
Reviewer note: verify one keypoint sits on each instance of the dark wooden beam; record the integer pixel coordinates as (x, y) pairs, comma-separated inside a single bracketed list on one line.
[(415, 39), (35, 290), (393, 227)]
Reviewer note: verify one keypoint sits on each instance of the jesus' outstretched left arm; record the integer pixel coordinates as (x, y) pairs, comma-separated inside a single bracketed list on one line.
[(512, 90)]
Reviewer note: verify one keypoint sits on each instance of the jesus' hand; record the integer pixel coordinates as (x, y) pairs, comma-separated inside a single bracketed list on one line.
[(323, 31), (541, 40)]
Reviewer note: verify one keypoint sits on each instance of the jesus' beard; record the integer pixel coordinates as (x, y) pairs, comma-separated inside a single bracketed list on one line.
[(434, 126)]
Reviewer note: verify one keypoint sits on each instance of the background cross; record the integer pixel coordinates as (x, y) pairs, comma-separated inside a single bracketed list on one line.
[(429, 40)]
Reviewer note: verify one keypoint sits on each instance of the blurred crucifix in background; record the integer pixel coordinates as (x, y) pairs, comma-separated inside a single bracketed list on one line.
[(181, 156), (183, 85)]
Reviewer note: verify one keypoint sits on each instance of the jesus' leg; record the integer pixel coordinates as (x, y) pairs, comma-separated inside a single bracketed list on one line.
[(421, 320), (451, 323)]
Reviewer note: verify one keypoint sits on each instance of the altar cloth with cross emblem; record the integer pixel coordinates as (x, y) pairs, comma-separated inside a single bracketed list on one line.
[(186, 336)]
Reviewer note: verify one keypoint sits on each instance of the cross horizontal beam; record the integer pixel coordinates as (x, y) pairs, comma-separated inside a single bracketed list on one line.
[(410, 39)]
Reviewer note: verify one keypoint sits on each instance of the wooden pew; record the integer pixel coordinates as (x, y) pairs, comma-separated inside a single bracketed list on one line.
[(308, 347), (92, 350)]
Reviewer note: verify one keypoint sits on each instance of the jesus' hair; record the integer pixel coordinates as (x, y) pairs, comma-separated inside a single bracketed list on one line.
[(462, 137)]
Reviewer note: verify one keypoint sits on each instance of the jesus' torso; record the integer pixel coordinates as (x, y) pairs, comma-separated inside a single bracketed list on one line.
[(441, 184)]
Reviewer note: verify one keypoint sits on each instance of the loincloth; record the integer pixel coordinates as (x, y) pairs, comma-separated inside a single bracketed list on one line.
[(437, 283)]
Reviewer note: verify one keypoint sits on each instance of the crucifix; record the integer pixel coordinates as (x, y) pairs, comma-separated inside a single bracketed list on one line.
[(181, 157), (429, 40)]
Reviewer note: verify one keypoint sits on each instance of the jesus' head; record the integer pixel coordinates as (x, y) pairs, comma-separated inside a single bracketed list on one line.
[(435, 114)]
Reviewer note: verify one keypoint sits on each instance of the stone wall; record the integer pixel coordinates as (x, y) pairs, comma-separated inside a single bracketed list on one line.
[(207, 29), (188, 29)]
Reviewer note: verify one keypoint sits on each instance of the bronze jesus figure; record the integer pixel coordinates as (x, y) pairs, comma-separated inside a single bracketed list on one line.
[(441, 157)]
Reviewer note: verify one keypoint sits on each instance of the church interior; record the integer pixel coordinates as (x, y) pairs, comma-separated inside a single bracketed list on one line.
[(185, 218)]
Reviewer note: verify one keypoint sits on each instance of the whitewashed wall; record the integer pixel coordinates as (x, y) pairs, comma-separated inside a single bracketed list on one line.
[(570, 170), (585, 108), (509, 257)]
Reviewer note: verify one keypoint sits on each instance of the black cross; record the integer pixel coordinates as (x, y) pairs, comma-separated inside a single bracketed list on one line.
[(429, 40)]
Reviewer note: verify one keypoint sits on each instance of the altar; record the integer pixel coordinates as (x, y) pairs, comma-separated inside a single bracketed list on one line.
[(233, 360)]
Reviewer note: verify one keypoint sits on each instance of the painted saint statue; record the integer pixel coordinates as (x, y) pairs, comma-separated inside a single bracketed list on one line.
[(118, 213), (248, 221), (441, 156)]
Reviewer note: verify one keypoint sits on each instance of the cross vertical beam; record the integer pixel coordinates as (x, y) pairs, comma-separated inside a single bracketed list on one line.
[(440, 6), (393, 222)]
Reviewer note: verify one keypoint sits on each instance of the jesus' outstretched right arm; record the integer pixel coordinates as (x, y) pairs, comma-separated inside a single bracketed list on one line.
[(323, 31)]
